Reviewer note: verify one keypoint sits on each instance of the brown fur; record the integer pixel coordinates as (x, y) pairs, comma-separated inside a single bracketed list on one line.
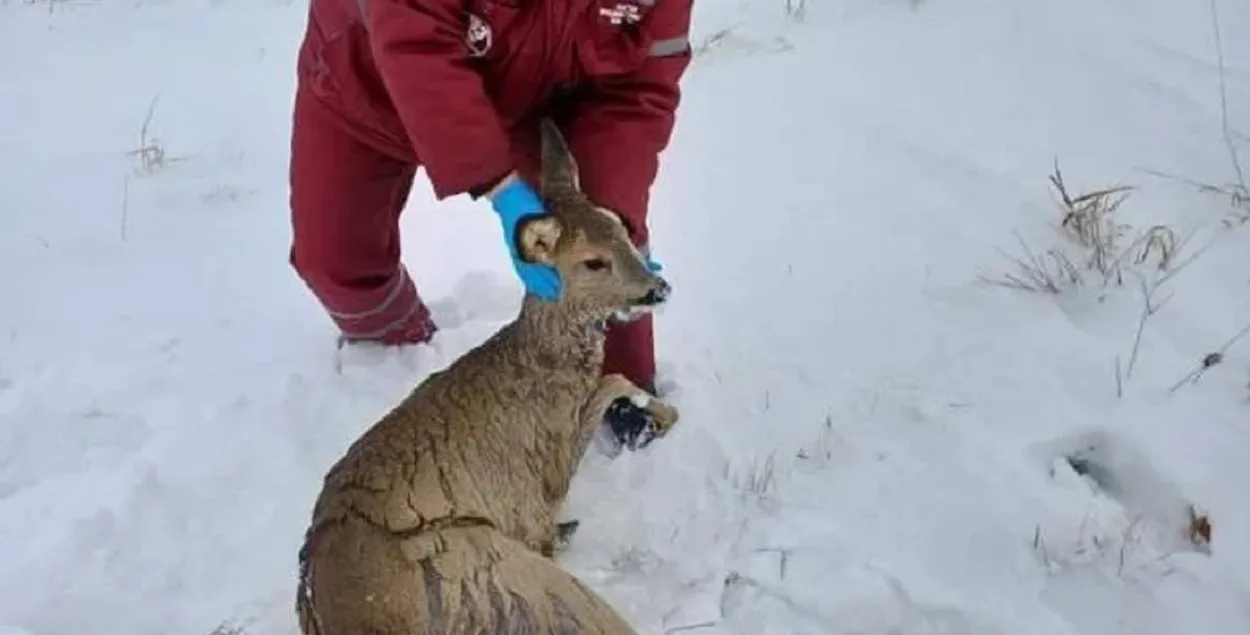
[(442, 517)]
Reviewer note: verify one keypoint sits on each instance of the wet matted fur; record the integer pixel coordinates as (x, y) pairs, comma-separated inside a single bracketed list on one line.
[(442, 517)]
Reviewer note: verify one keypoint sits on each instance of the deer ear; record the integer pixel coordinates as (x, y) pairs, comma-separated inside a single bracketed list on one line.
[(559, 170), (538, 239)]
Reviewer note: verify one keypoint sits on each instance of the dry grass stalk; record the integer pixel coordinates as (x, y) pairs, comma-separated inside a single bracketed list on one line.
[(1226, 127), (151, 153), (1089, 221), (796, 9), (1199, 529), (1050, 272), (1210, 360)]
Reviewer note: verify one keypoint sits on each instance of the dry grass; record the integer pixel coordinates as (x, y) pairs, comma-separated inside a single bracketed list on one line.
[(1236, 192), (729, 40), (150, 154), (757, 481), (1226, 128), (1097, 251), (713, 41), (796, 9), (760, 478), (1126, 550), (821, 448), (228, 628), (1199, 530), (1235, 195), (53, 4), (1210, 360), (1238, 202), (1050, 272)]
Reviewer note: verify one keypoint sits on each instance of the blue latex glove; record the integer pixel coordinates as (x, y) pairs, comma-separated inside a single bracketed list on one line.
[(514, 202), (652, 263)]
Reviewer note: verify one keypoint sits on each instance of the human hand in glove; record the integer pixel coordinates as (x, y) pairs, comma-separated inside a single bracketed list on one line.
[(515, 201)]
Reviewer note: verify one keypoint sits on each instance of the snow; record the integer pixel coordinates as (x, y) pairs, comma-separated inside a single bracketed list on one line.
[(872, 437)]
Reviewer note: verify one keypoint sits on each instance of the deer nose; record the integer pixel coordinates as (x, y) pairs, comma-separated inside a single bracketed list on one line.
[(658, 293)]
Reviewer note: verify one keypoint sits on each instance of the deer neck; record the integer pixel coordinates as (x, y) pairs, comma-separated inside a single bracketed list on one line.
[(561, 336)]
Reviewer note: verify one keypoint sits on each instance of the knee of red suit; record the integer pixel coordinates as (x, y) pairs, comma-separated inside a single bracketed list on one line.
[(387, 310)]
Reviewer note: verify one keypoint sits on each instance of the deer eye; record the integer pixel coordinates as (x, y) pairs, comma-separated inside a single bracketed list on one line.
[(595, 264)]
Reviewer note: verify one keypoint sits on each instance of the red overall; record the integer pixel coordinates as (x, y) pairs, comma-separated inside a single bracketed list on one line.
[(455, 86)]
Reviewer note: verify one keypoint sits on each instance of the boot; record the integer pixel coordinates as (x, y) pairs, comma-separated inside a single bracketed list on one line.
[(417, 328)]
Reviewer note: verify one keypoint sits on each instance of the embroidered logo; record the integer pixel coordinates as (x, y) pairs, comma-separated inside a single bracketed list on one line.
[(478, 37), (622, 13)]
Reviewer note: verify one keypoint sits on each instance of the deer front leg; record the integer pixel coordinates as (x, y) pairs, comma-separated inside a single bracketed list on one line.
[(635, 416), (559, 470), (610, 389)]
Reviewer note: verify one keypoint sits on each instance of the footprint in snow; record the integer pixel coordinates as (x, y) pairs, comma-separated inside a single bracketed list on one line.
[(1110, 564), (478, 296), (478, 305), (1127, 490)]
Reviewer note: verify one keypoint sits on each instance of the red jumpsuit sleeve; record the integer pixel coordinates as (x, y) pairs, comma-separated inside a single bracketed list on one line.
[(619, 125), (418, 46)]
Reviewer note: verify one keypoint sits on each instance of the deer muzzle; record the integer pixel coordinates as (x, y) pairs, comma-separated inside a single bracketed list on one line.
[(658, 293)]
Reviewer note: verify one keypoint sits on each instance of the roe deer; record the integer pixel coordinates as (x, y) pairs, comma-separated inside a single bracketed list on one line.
[(442, 517)]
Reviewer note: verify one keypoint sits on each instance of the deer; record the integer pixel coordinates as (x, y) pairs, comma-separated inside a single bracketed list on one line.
[(443, 516)]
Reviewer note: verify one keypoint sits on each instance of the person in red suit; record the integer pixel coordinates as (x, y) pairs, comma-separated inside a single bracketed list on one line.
[(457, 87)]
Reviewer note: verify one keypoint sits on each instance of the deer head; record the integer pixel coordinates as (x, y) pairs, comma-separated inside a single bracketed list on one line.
[(602, 272)]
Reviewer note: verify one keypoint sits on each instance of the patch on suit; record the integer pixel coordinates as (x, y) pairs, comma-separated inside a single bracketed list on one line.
[(478, 37), (620, 14)]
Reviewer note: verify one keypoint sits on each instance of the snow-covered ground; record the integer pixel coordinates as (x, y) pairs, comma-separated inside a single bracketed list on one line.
[(873, 437)]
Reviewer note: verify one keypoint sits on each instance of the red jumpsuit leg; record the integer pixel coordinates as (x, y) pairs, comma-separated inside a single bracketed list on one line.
[(346, 198), (629, 348)]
